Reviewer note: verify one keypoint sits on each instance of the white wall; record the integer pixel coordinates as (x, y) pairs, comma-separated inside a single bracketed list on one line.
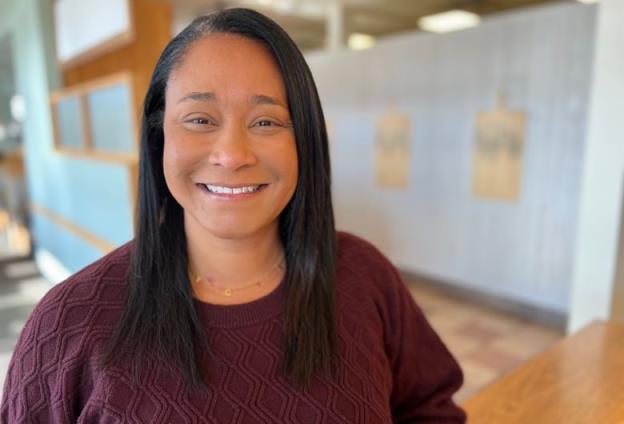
[(82, 25), (522, 251), (603, 176)]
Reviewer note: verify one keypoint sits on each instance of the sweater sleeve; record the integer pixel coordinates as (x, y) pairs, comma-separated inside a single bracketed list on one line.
[(425, 373), (47, 378)]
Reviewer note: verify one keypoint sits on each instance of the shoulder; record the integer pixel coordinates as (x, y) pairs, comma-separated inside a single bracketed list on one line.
[(61, 340), (363, 271), (353, 250), (360, 257), (88, 296), (94, 282)]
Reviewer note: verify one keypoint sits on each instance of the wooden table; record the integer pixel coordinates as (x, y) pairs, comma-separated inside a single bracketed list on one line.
[(579, 380)]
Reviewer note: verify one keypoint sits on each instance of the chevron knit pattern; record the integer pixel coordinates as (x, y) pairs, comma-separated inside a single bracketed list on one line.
[(393, 367)]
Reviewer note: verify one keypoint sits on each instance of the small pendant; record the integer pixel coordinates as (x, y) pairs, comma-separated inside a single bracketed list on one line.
[(228, 292)]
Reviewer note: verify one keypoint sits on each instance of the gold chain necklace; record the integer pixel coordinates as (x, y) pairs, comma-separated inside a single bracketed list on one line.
[(227, 291)]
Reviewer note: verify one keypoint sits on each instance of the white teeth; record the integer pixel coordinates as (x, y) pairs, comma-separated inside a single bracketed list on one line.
[(228, 190)]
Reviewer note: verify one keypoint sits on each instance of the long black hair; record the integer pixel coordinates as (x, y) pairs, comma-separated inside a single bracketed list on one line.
[(160, 316)]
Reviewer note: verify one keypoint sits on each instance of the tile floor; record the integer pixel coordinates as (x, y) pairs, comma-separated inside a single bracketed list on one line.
[(486, 343)]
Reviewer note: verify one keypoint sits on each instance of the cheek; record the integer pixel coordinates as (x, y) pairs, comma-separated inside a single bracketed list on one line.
[(170, 158), (294, 172), (170, 163), (176, 161), (291, 167)]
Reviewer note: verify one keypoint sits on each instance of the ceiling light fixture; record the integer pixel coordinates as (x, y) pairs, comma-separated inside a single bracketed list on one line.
[(453, 20), (358, 41)]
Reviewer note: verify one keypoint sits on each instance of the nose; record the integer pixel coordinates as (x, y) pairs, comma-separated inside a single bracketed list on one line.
[(231, 149)]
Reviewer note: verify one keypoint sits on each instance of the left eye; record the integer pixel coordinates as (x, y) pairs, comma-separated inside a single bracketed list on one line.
[(265, 123)]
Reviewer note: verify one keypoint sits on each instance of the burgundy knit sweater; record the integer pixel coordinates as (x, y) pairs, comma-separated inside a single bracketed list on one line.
[(393, 366)]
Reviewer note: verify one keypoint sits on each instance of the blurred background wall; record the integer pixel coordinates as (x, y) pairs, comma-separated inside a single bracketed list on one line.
[(522, 249), (81, 198)]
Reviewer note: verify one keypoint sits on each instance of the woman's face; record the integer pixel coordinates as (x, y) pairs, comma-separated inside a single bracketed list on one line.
[(230, 158)]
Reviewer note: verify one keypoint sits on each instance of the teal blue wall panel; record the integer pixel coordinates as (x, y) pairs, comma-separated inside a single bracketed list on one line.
[(91, 194), (69, 122), (110, 112), (73, 252)]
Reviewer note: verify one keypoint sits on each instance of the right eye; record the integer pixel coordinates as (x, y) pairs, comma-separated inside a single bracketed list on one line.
[(199, 123)]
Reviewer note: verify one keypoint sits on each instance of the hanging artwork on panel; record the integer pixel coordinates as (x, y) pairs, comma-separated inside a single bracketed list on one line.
[(497, 154), (392, 151)]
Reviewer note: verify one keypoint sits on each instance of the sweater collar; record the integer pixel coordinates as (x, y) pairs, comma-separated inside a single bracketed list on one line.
[(244, 314)]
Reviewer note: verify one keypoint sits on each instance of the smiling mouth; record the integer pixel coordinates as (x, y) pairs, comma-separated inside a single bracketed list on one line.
[(218, 189)]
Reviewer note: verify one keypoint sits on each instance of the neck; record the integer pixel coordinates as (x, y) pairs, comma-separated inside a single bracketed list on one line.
[(232, 262)]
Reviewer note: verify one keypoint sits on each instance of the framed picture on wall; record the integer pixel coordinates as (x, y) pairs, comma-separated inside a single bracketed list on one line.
[(392, 151), (498, 153)]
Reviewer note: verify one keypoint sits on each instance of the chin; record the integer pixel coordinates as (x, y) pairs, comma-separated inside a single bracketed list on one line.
[(232, 230), (228, 226), (227, 233)]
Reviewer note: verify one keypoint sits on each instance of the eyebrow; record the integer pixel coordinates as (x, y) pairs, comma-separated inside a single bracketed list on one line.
[(261, 99), (205, 96), (208, 96)]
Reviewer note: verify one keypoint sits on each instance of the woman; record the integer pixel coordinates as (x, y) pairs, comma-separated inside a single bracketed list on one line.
[(237, 301)]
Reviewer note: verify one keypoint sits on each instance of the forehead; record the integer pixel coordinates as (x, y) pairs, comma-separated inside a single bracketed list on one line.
[(227, 63)]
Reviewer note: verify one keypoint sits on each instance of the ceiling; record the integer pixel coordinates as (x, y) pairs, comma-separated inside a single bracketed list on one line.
[(306, 20)]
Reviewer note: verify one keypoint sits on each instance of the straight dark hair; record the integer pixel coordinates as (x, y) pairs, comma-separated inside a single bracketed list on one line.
[(160, 318)]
